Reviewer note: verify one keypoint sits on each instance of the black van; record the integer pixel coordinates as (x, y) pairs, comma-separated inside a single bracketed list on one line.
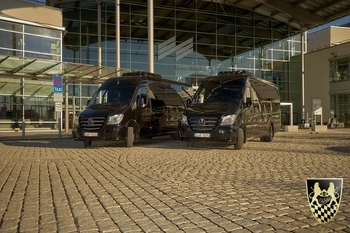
[(232, 107), (141, 101)]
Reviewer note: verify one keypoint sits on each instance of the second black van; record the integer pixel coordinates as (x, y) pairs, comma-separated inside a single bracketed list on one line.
[(143, 102), (232, 107)]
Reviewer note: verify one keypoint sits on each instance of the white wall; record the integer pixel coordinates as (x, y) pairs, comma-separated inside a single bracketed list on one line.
[(317, 76), (327, 37), (31, 12), (339, 35)]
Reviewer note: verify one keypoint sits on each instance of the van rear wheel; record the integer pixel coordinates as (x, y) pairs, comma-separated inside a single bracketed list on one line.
[(269, 136), (239, 140)]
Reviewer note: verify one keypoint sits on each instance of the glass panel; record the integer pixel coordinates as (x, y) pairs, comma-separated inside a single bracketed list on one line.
[(42, 31), (10, 52), (10, 103), (11, 26), (164, 22), (41, 44), (11, 40), (10, 86), (88, 90)]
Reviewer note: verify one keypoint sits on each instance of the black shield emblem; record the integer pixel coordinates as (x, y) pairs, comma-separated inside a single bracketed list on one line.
[(324, 195)]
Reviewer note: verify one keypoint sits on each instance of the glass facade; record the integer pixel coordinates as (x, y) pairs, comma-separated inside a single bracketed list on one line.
[(340, 105), (23, 98), (191, 42), (205, 42), (30, 41), (33, 102)]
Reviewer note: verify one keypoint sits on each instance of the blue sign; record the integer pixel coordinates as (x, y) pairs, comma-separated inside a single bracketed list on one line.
[(57, 84)]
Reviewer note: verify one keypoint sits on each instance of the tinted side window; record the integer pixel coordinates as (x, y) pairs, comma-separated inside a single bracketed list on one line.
[(185, 92), (172, 97), (250, 94)]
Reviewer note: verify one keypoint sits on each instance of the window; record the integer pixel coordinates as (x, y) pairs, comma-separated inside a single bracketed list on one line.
[(339, 70)]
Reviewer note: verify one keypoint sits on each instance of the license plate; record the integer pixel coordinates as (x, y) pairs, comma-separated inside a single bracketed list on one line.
[(86, 134), (202, 135)]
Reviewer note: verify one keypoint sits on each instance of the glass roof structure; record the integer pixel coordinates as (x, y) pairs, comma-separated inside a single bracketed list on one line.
[(44, 69)]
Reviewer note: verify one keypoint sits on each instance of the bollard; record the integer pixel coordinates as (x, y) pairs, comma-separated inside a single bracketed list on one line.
[(130, 137), (59, 127), (23, 128)]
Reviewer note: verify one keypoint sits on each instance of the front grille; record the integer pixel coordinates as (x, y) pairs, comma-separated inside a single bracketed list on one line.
[(203, 123), (91, 123)]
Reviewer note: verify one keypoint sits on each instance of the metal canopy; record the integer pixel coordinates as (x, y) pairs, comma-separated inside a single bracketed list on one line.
[(44, 69), (296, 13)]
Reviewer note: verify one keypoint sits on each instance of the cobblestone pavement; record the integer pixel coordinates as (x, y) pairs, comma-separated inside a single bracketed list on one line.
[(160, 185)]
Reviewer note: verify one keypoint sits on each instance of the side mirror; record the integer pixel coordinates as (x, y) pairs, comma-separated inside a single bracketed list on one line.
[(88, 101), (140, 102), (188, 102)]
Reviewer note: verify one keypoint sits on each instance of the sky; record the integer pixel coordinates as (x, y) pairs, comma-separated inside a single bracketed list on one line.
[(339, 22)]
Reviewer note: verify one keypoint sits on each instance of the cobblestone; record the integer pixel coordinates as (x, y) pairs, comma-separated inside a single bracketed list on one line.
[(50, 184)]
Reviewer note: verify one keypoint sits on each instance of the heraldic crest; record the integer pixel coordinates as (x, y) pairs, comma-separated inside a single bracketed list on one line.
[(324, 195)]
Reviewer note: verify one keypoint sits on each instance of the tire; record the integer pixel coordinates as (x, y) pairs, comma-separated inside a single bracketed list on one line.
[(87, 143), (176, 135), (269, 136), (239, 140)]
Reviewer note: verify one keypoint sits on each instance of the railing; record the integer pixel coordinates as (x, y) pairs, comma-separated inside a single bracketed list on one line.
[(30, 126)]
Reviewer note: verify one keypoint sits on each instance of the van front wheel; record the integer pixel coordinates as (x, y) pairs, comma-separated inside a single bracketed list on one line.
[(239, 140)]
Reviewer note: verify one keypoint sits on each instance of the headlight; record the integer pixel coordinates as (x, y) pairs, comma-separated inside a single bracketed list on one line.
[(228, 120), (184, 120), (115, 119)]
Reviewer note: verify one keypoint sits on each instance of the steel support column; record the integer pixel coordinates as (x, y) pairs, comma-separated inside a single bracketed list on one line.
[(150, 37), (117, 34)]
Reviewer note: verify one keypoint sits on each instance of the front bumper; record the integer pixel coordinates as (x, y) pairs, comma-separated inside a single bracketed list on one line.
[(108, 133), (221, 134)]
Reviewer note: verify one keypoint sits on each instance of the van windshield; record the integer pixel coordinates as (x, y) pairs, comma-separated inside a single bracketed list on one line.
[(113, 96), (227, 93)]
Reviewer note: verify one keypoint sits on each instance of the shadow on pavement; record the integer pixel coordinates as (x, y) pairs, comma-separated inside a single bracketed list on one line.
[(342, 149)]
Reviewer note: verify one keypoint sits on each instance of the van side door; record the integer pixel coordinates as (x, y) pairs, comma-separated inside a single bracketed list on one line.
[(251, 114), (174, 107), (259, 115), (143, 114)]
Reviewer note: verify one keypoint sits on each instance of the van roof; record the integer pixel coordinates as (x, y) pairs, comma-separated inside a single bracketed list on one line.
[(142, 73), (139, 76), (224, 76), (237, 72)]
